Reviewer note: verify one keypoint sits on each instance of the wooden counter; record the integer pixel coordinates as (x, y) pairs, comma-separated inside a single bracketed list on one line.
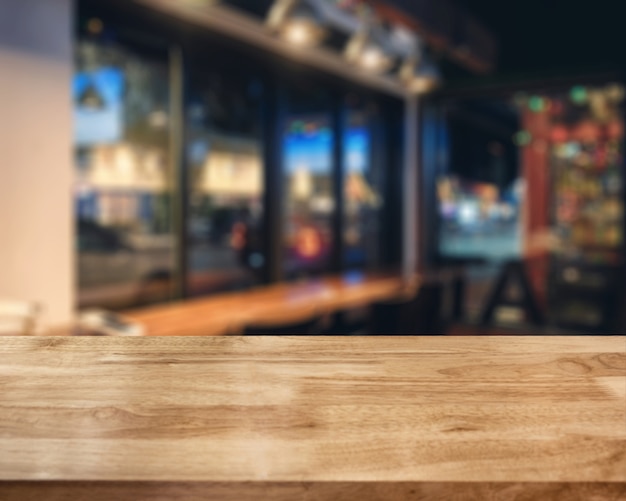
[(230, 313), (312, 418)]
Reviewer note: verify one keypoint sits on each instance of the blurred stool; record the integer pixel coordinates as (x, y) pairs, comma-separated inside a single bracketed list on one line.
[(454, 272), (18, 318), (298, 322), (513, 272)]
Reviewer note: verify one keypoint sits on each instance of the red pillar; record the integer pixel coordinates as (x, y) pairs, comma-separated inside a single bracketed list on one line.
[(535, 161)]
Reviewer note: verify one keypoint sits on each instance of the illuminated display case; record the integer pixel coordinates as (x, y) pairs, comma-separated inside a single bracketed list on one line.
[(586, 206)]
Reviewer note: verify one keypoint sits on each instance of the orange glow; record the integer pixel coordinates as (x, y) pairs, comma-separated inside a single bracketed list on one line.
[(95, 26), (308, 242), (238, 236), (615, 129), (586, 132)]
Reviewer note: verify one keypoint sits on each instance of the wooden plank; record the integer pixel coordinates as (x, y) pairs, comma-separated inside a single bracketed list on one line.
[(313, 418)]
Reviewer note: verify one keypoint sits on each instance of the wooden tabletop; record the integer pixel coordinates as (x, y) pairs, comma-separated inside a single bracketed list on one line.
[(230, 313), (313, 418)]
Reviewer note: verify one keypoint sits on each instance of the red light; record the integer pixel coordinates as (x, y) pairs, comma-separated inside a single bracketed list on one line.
[(559, 134)]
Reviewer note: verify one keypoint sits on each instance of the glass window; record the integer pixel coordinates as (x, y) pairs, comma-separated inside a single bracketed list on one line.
[(310, 200), (226, 183), (363, 188), (480, 195), (125, 240), (138, 172)]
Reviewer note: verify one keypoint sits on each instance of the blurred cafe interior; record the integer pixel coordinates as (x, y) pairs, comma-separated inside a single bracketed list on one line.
[(316, 167)]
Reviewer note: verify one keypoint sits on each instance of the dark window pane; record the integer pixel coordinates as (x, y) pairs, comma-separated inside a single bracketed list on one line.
[(226, 183)]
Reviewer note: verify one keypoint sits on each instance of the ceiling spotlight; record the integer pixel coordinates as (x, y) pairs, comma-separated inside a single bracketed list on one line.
[(297, 22), (419, 75), (302, 28), (365, 50)]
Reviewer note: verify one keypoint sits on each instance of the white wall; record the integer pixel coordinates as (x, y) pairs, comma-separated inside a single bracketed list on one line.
[(36, 229)]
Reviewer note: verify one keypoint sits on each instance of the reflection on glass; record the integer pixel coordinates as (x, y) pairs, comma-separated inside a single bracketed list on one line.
[(126, 248), (480, 197), (479, 220), (310, 205), (226, 186), (362, 198)]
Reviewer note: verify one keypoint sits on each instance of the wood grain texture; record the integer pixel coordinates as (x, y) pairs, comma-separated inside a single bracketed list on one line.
[(313, 418), (229, 313), (308, 491)]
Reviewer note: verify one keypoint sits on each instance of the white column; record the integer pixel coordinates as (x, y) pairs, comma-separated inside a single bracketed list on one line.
[(411, 191), (36, 221)]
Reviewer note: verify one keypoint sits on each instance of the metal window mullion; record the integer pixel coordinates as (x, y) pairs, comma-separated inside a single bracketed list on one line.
[(338, 173), (274, 104), (179, 179)]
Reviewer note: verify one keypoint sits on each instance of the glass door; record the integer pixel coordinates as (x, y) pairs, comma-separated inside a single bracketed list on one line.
[(225, 173)]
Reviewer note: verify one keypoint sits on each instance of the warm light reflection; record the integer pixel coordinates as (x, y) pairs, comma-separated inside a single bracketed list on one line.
[(302, 32), (373, 58), (422, 85)]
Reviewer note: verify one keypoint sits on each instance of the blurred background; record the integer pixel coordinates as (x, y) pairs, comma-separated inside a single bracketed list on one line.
[(155, 152)]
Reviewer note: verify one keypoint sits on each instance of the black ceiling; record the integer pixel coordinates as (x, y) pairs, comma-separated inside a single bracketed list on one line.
[(255, 7), (539, 36)]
